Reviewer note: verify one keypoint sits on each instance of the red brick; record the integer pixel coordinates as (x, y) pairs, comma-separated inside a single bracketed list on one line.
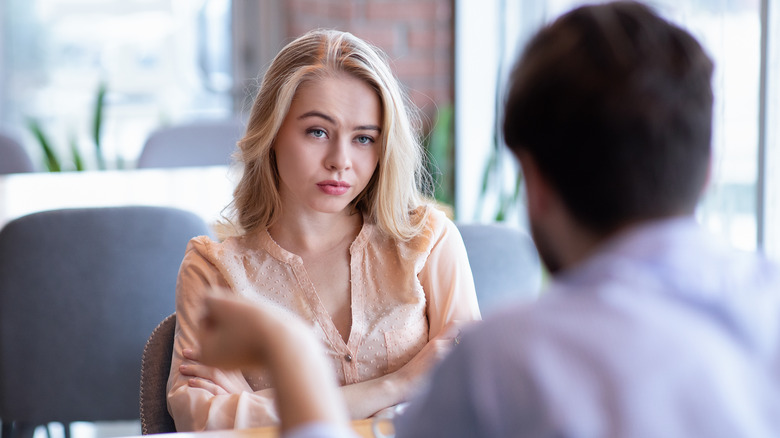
[(444, 10), (430, 38), (442, 67), (429, 101), (416, 34), (383, 36), (408, 66), (295, 7), (342, 10), (330, 13), (402, 10)]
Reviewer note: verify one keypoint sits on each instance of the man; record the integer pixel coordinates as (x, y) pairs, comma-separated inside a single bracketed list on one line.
[(649, 327)]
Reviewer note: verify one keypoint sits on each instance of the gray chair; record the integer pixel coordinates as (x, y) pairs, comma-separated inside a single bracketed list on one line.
[(155, 368), (13, 157), (504, 263), (80, 291), (206, 143)]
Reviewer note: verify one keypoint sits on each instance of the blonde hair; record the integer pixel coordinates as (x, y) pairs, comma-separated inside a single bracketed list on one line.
[(395, 192)]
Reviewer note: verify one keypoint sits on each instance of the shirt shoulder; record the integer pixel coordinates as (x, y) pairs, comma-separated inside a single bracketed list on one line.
[(212, 250), (436, 227)]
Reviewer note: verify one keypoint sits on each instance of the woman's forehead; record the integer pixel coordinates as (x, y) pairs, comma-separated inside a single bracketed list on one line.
[(343, 98)]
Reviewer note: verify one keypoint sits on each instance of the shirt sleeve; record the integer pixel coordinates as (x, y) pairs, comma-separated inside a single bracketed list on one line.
[(444, 408), (446, 278), (195, 409), (485, 387)]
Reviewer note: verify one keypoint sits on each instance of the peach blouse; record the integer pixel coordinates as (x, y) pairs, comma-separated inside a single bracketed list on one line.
[(403, 294)]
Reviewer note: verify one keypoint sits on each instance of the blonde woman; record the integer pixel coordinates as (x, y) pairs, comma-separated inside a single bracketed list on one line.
[(334, 229)]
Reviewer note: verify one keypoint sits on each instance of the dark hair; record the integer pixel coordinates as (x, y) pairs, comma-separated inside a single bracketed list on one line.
[(614, 104)]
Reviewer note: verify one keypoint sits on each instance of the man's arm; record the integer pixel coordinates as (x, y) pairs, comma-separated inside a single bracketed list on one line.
[(235, 333)]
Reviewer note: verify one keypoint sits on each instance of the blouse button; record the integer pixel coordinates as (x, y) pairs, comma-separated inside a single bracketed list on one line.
[(348, 357)]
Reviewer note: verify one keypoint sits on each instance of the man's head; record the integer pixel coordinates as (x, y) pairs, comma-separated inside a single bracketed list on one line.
[(613, 105)]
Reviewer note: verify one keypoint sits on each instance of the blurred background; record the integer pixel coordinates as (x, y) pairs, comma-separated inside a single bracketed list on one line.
[(154, 63), (94, 78)]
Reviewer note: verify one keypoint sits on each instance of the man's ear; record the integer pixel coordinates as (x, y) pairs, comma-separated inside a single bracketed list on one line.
[(708, 178), (537, 189)]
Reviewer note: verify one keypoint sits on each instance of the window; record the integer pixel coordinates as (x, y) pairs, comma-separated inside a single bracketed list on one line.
[(742, 203), (161, 61)]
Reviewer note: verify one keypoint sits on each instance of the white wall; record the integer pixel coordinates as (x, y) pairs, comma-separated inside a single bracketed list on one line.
[(772, 140), (488, 38)]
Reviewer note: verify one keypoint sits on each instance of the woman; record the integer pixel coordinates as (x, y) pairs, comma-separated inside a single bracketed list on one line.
[(334, 229)]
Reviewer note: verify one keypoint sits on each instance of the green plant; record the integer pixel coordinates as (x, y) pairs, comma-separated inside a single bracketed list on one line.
[(439, 146), (496, 183), (502, 183), (502, 180), (97, 125), (52, 161)]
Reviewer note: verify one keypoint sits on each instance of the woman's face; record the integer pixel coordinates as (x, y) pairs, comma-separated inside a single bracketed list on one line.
[(327, 148)]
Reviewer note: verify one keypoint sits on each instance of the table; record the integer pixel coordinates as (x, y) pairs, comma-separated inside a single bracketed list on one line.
[(363, 428), (205, 191)]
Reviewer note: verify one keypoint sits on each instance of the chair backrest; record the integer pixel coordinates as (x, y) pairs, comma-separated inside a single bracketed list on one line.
[(504, 263), (155, 368), (13, 157), (206, 143), (80, 291)]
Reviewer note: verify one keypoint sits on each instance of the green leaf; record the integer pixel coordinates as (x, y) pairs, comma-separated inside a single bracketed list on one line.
[(442, 153), (490, 168), (97, 124), (518, 186), (50, 158), (78, 159)]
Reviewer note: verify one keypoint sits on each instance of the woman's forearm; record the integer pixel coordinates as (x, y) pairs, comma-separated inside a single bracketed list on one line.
[(366, 398)]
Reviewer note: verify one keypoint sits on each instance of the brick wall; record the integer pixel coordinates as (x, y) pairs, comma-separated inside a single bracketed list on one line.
[(417, 35)]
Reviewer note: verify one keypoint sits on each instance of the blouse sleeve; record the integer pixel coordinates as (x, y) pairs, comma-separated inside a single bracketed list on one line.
[(195, 409), (446, 278)]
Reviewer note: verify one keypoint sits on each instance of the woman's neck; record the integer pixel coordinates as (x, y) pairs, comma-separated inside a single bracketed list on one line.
[(312, 237)]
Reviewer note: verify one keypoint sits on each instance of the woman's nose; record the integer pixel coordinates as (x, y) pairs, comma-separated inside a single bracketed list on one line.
[(338, 156)]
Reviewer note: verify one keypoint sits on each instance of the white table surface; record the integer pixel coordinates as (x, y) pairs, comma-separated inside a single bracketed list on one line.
[(205, 191)]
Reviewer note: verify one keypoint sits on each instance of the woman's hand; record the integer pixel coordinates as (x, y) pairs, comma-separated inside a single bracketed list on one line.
[(213, 380), (371, 397), (414, 371)]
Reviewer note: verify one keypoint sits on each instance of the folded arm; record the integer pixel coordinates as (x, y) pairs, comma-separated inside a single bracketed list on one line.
[(237, 334), (198, 397)]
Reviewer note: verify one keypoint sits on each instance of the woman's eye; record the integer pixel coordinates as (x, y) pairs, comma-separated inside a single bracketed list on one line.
[(317, 133), (364, 139)]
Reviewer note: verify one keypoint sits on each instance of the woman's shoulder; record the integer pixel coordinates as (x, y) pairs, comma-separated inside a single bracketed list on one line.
[(436, 223), (210, 248), (436, 216)]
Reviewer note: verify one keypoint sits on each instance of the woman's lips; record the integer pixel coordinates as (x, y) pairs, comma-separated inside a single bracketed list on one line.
[(332, 187)]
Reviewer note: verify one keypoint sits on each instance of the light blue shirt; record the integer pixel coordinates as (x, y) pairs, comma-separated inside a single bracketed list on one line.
[(662, 333), (319, 430)]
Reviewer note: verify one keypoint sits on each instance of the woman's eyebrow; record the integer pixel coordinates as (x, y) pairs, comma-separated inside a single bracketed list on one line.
[(368, 128), (331, 120), (317, 114)]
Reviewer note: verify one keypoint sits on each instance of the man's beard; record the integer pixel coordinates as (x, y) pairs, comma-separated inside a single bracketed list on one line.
[(545, 248)]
